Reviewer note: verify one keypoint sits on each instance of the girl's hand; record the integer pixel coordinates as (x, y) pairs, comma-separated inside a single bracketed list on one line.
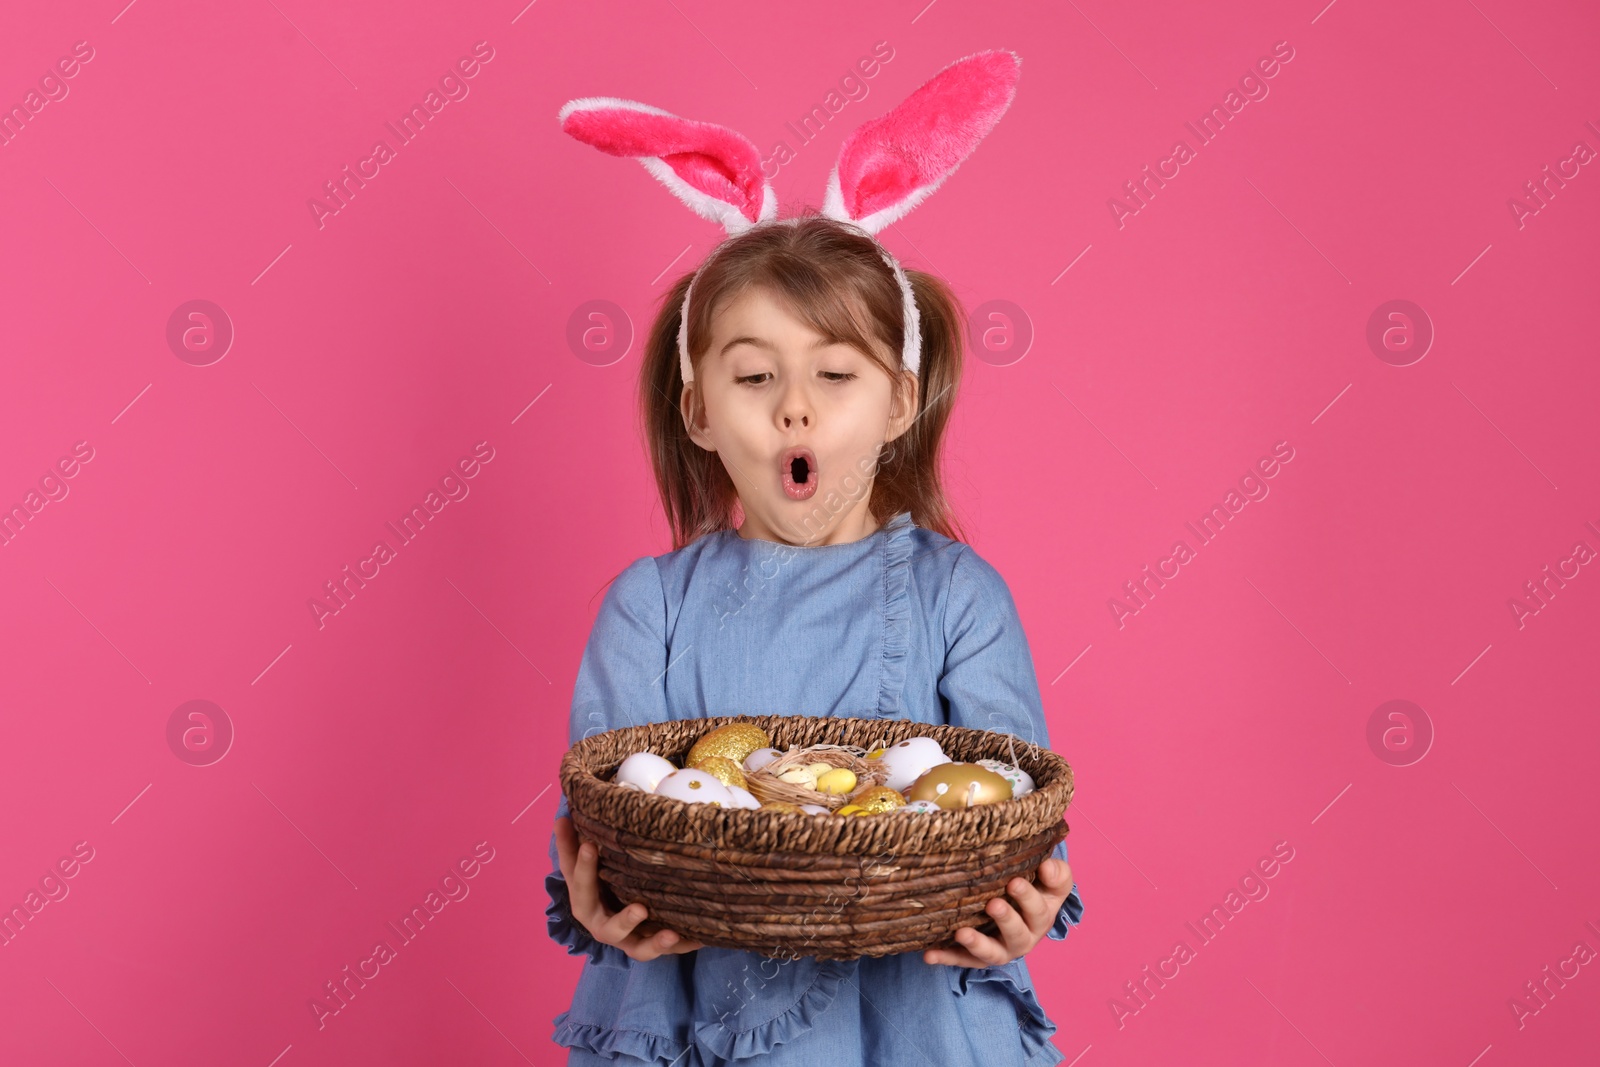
[(1018, 933), (580, 864)]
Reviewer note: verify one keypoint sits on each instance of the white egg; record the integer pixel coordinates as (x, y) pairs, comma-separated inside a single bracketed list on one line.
[(695, 787), (910, 759), (742, 798), (921, 806), (1021, 781), (643, 769), (815, 809), (760, 758)]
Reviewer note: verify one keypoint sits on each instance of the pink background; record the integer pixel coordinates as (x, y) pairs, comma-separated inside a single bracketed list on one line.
[(373, 352)]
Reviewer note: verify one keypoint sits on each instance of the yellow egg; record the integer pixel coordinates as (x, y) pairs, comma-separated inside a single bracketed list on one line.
[(723, 770), (960, 785), (819, 768), (800, 776), (851, 809), (875, 753), (734, 741), (879, 799), (836, 780)]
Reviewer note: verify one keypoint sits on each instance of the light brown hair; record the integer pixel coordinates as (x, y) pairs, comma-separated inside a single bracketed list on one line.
[(828, 275)]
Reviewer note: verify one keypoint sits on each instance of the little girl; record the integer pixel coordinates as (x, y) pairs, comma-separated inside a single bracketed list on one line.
[(795, 408)]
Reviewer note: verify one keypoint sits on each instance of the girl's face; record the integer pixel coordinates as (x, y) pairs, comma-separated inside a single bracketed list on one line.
[(800, 424)]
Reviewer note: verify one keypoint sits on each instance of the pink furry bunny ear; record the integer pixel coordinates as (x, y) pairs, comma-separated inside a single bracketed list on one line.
[(713, 169), (891, 164)]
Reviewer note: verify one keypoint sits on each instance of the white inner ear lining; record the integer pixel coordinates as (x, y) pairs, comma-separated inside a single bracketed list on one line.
[(910, 354)]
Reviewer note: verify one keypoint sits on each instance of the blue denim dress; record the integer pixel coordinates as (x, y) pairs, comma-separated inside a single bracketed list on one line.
[(902, 624)]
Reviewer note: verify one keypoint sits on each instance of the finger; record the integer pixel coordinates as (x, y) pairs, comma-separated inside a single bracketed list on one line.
[(961, 958), (1056, 875), (1015, 933), (1034, 906), (618, 928), (583, 890), (984, 947), (566, 846)]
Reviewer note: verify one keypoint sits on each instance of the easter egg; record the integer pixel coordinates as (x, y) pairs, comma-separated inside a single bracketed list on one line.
[(760, 758), (643, 770), (852, 809), (836, 780), (879, 799), (743, 798), (1021, 781), (734, 741), (922, 807), (781, 805), (723, 770), (694, 786), (907, 760), (815, 809), (960, 785), (804, 777)]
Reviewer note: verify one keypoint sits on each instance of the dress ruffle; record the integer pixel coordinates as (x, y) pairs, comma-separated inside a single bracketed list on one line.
[(604, 1041), (1034, 1025), (1071, 913), (897, 551), (566, 931), (730, 1044)]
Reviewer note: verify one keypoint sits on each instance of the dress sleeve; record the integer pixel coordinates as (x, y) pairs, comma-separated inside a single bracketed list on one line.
[(988, 682), (621, 682)]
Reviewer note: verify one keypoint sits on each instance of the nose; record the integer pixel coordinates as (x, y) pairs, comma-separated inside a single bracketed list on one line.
[(795, 407)]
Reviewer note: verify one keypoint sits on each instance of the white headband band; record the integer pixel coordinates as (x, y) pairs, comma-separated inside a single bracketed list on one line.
[(910, 352)]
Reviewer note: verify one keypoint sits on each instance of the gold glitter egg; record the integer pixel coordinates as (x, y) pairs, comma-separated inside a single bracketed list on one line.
[(960, 785), (879, 799), (734, 741), (837, 780), (723, 770), (781, 805)]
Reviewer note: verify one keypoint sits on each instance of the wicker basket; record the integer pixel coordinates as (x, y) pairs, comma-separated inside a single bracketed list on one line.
[(835, 887)]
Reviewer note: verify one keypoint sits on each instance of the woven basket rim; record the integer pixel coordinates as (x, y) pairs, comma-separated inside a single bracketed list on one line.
[(1012, 820)]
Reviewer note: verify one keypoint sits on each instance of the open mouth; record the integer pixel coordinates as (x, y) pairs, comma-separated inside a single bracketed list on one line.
[(798, 469)]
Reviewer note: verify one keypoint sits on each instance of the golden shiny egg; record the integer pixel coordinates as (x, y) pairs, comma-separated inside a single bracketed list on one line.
[(837, 780), (723, 770), (960, 785), (781, 805), (734, 741), (879, 799)]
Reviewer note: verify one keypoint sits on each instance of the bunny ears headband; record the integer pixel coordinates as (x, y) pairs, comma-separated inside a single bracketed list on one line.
[(886, 167)]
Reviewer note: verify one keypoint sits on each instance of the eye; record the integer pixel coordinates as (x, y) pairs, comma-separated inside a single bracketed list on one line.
[(750, 379), (837, 376)]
